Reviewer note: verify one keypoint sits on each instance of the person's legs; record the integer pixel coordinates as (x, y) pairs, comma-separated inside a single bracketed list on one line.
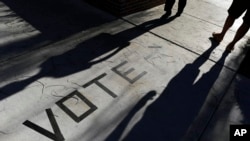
[(241, 31), (168, 6), (236, 9), (181, 6), (228, 23), (239, 34)]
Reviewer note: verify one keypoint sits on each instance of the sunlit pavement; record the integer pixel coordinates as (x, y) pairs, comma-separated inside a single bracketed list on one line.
[(135, 78)]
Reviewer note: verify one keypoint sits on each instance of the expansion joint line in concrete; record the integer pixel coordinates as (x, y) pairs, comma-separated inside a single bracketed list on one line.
[(177, 44), (227, 88), (220, 26)]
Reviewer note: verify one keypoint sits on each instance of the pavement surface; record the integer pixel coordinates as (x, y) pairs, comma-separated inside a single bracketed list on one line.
[(72, 72)]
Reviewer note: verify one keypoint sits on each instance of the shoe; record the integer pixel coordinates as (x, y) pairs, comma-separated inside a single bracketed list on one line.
[(230, 47), (166, 15), (178, 14), (217, 37)]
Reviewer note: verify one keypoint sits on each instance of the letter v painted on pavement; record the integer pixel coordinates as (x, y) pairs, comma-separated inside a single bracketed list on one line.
[(57, 135)]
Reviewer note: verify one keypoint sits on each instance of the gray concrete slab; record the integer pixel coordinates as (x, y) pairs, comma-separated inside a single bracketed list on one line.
[(156, 61), (208, 17)]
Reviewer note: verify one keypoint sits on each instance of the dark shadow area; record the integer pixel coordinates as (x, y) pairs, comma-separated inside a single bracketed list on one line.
[(75, 60), (123, 7), (169, 117), (55, 19), (80, 58), (243, 99), (115, 136)]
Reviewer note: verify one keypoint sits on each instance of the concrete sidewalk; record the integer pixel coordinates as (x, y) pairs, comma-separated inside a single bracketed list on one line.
[(132, 78)]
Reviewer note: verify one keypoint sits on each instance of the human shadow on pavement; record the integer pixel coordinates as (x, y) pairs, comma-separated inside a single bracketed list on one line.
[(121, 127), (80, 57), (243, 99), (170, 115)]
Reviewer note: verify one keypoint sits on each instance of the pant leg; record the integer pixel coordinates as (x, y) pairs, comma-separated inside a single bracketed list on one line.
[(237, 8), (169, 5), (181, 6)]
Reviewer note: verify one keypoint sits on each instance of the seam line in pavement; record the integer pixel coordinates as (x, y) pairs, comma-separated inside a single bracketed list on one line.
[(177, 44), (246, 36)]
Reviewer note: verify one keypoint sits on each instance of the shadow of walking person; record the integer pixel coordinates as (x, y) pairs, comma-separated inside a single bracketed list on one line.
[(243, 99), (170, 116), (81, 56), (115, 136)]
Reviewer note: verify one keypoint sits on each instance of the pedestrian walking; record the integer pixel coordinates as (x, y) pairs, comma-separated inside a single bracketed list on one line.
[(169, 5), (237, 8)]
